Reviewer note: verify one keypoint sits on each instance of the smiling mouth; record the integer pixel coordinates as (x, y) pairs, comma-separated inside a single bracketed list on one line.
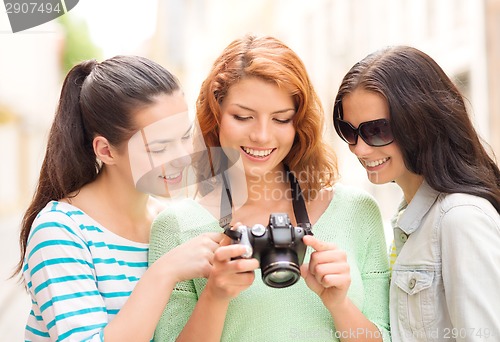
[(172, 177), (257, 153), (375, 163)]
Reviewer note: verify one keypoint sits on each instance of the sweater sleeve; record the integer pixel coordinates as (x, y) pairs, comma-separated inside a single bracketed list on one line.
[(60, 276), (166, 235), (374, 266)]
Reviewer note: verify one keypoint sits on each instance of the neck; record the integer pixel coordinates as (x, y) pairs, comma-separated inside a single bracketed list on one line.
[(410, 185), (272, 186), (114, 202), (124, 199)]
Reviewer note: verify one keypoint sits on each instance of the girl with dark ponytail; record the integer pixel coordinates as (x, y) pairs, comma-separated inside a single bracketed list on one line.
[(84, 237)]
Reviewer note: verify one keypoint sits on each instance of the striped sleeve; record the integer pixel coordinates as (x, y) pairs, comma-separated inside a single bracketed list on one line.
[(61, 278)]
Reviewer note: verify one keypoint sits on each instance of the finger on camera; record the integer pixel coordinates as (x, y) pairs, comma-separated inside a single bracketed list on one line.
[(226, 240), (323, 270), (341, 281), (304, 269), (244, 265), (215, 237), (244, 279), (318, 245), (318, 264), (210, 240), (336, 255), (226, 253)]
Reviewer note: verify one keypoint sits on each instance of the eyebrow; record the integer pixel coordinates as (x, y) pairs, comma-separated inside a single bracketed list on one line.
[(276, 112), (165, 141)]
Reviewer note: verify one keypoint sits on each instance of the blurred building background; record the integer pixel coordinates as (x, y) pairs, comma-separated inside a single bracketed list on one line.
[(463, 36)]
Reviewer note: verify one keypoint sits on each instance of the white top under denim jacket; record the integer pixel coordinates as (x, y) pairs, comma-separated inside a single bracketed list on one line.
[(445, 283)]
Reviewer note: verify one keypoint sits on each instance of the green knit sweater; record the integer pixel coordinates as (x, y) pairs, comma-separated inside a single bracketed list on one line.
[(261, 313)]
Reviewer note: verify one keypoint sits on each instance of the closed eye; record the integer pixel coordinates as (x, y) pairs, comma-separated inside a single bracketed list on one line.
[(188, 135), (241, 118), (283, 121), (157, 150)]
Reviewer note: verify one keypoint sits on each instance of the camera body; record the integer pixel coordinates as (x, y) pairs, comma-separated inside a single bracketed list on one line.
[(278, 247)]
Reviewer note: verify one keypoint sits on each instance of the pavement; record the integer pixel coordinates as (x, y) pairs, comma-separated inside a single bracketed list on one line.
[(14, 301)]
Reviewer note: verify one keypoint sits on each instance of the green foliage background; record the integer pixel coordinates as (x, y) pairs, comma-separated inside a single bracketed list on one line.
[(78, 45)]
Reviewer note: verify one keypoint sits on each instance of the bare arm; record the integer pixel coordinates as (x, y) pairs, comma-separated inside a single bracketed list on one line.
[(137, 320)]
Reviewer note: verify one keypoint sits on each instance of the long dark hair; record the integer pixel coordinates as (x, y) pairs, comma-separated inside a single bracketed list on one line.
[(97, 99), (429, 121)]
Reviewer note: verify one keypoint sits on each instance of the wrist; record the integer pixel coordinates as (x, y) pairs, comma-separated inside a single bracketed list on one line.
[(165, 276), (338, 307), (215, 294)]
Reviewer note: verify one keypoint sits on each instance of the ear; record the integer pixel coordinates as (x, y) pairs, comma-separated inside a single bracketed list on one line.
[(103, 150)]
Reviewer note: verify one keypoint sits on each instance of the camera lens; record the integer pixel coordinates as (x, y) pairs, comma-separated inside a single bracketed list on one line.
[(282, 274), (280, 268), (281, 278)]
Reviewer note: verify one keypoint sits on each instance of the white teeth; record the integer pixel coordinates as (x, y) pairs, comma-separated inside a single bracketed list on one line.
[(171, 176), (257, 153), (376, 162)]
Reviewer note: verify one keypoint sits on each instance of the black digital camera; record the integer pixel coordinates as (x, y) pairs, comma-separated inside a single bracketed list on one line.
[(278, 247)]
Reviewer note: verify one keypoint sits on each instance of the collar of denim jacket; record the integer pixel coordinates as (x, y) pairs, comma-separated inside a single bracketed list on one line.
[(414, 212)]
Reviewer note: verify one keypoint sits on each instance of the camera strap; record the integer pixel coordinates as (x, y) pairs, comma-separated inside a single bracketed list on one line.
[(226, 204), (299, 206)]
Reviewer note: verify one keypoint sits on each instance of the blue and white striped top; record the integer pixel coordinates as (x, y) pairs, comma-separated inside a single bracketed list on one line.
[(78, 274)]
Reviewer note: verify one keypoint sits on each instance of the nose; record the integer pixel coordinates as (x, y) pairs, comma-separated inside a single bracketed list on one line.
[(178, 155), (181, 162), (361, 149), (260, 131)]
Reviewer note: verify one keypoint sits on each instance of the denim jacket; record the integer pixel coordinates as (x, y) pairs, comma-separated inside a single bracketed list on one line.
[(445, 283)]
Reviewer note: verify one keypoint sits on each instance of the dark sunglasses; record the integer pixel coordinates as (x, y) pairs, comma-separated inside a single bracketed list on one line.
[(374, 133)]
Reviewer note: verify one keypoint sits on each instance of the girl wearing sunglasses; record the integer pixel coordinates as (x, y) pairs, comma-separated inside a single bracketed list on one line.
[(406, 122)]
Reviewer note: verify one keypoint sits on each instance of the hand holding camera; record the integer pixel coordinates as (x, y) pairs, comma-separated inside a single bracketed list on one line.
[(278, 247), (230, 276)]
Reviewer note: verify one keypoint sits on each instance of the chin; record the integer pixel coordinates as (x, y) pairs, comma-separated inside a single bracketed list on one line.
[(256, 171), (377, 178)]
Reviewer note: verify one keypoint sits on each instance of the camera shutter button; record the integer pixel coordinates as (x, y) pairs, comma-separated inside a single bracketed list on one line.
[(258, 230)]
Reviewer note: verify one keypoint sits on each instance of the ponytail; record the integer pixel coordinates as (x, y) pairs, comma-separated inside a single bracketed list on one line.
[(69, 161), (97, 99)]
